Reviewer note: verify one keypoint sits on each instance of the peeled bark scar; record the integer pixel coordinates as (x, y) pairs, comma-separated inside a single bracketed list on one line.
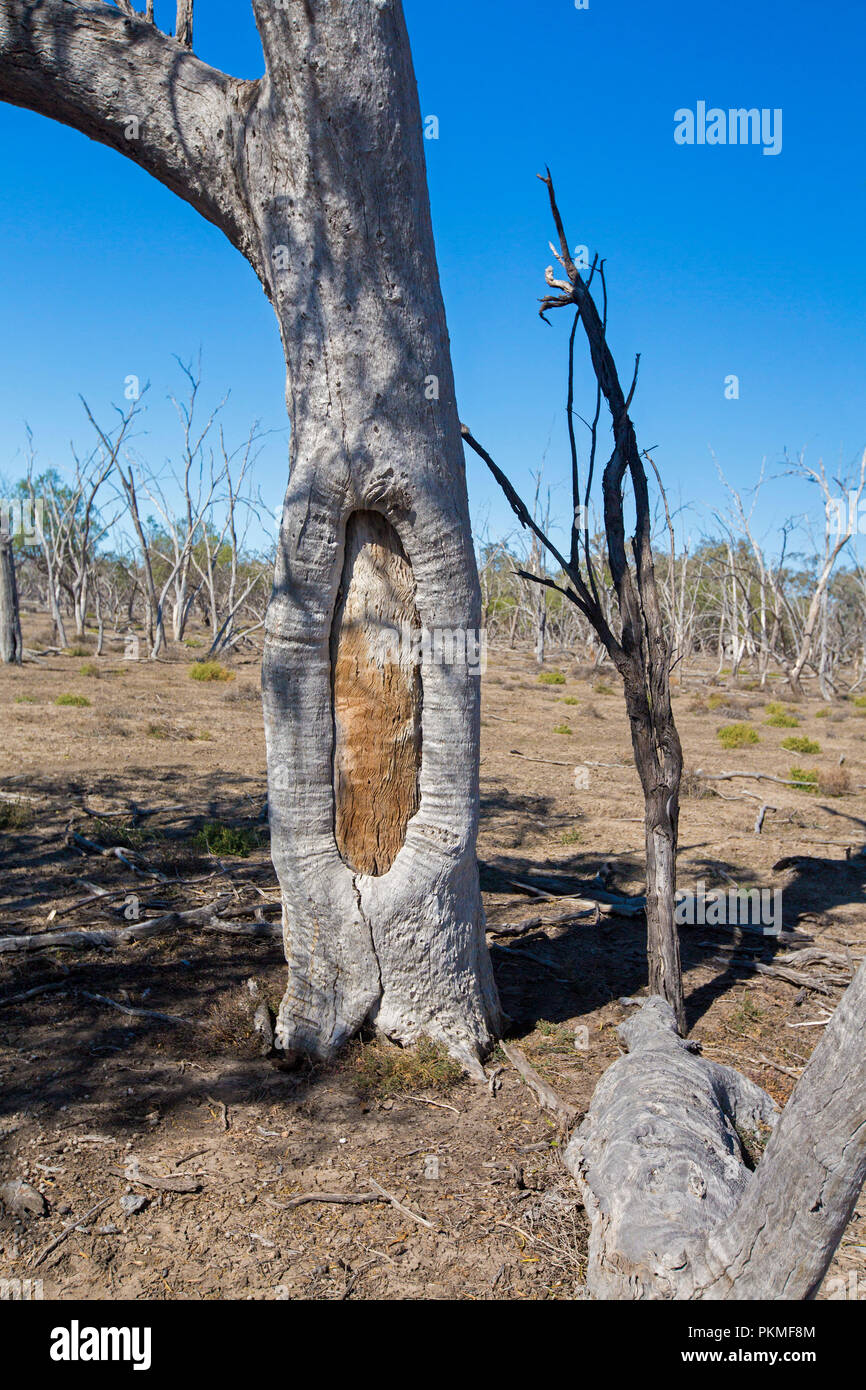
[(377, 696)]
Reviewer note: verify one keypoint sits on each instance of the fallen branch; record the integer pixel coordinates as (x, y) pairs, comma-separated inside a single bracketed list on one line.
[(545, 1094), (67, 1230), (779, 972), (136, 1013), (343, 1198), (406, 1211), (204, 916)]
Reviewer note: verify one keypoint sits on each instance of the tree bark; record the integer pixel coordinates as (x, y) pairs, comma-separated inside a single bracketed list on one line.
[(11, 646), (665, 1155), (316, 173)]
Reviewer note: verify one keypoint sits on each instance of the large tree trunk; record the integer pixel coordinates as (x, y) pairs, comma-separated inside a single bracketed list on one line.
[(663, 1163), (316, 173), (11, 647), (383, 918)]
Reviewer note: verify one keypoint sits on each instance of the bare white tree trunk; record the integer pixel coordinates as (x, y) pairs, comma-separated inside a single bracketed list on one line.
[(316, 173), (662, 1162)]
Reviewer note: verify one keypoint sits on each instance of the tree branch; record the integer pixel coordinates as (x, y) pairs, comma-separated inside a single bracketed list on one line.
[(117, 79)]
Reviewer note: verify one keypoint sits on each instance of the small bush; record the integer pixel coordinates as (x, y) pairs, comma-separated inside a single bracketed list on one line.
[(89, 668), (746, 1013), (801, 745), (806, 779), (562, 729), (570, 700), (834, 782), (383, 1069), (736, 736), (77, 651), (14, 815), (77, 701), (193, 642), (859, 701), (570, 837), (781, 720), (243, 694), (210, 671), (226, 839), (714, 700), (551, 678), (822, 714), (25, 700), (602, 688), (697, 788), (230, 1026)]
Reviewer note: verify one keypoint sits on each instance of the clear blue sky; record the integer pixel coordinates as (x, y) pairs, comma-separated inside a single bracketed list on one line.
[(720, 259)]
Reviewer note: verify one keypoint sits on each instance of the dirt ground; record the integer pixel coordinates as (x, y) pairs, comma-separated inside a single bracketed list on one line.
[(164, 767)]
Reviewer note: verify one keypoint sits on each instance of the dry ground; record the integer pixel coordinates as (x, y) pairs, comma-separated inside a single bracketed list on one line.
[(86, 1087)]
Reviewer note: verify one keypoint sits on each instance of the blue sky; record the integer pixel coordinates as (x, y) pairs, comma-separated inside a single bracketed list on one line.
[(721, 260)]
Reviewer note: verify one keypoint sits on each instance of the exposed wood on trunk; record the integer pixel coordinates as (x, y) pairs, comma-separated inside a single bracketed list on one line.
[(377, 696)]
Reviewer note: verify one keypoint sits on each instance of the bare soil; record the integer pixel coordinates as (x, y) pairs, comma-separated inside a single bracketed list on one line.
[(86, 1088)]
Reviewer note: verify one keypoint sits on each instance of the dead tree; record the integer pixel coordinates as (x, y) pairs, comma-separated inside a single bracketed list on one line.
[(11, 646), (316, 174), (642, 651), (664, 1165)]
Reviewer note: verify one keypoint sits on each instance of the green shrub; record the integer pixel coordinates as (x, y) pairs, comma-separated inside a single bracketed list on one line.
[(570, 700), (193, 642), (805, 777), (78, 701), (77, 651), (822, 714), (89, 668), (551, 678), (801, 745), (25, 700), (210, 671), (781, 720), (859, 701), (562, 729), (215, 838), (602, 688), (736, 736)]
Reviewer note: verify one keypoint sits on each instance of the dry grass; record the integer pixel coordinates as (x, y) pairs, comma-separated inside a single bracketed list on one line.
[(380, 1068), (14, 815), (834, 781)]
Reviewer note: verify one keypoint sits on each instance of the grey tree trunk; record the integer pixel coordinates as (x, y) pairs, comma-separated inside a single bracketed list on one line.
[(663, 1162), (316, 173), (11, 646)]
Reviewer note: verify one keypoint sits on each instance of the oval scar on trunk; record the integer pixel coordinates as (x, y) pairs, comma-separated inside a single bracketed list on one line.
[(377, 696)]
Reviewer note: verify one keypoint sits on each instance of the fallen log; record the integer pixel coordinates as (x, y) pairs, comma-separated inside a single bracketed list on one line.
[(80, 940), (664, 1157)]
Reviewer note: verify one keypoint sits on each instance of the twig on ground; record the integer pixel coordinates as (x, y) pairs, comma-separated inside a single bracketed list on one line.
[(73, 1225)]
